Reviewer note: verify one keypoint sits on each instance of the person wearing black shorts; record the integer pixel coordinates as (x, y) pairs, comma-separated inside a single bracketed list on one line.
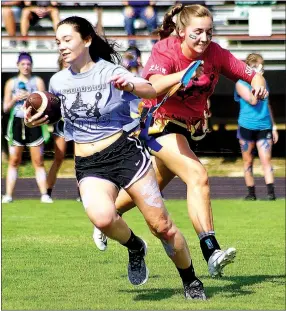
[(17, 89), (96, 95), (256, 128)]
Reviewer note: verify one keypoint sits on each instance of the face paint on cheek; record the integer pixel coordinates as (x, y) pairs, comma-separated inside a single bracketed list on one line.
[(193, 36)]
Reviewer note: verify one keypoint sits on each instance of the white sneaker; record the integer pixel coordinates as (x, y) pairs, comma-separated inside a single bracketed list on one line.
[(99, 239), (219, 259), (45, 198), (7, 199)]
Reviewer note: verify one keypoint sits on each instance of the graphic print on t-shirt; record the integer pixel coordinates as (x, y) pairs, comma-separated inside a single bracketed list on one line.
[(201, 85), (84, 106), (94, 110)]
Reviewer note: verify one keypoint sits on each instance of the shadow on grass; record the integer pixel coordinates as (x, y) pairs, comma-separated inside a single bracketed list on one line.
[(239, 282), (231, 290)]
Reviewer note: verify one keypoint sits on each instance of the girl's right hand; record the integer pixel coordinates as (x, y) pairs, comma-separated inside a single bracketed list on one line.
[(35, 120)]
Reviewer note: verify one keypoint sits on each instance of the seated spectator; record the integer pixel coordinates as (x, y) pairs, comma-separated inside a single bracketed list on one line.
[(139, 9), (10, 11), (36, 10)]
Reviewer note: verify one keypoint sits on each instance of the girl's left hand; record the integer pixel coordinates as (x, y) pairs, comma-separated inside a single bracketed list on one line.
[(260, 92), (275, 135), (119, 82)]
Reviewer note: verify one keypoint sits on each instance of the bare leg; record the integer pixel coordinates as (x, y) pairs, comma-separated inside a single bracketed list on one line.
[(98, 197), (60, 150), (54, 12), (181, 160), (163, 175), (264, 148), (247, 157), (25, 21), (38, 163), (9, 21), (100, 208), (15, 158), (147, 196), (152, 207)]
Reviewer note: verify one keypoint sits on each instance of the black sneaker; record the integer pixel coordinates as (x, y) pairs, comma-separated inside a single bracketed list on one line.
[(195, 290), (271, 197), (250, 197), (137, 270)]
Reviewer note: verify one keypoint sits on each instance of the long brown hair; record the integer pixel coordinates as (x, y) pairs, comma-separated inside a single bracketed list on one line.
[(99, 47), (183, 13)]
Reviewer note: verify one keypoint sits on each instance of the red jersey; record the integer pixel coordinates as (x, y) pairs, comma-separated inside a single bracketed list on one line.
[(167, 58)]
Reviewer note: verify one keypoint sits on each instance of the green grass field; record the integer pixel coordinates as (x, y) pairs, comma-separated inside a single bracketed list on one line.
[(49, 261)]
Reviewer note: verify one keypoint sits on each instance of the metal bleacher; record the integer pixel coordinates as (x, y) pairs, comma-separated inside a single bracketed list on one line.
[(230, 30)]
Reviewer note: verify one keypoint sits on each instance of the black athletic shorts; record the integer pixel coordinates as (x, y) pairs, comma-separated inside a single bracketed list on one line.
[(59, 129), (23, 135), (253, 135), (122, 163), (177, 129)]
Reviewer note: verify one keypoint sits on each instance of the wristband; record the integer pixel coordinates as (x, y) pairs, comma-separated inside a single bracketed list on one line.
[(132, 85), (274, 128)]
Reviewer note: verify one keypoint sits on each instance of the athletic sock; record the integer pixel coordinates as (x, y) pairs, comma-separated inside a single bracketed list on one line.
[(208, 245), (187, 275), (251, 190), (134, 243), (49, 191), (270, 188)]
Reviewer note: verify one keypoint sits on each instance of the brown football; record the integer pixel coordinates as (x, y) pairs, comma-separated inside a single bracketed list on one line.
[(47, 103)]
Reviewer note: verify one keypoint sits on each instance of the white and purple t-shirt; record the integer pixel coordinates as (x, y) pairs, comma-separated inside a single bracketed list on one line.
[(93, 109)]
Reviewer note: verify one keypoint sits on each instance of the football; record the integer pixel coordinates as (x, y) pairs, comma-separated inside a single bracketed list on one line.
[(47, 103)]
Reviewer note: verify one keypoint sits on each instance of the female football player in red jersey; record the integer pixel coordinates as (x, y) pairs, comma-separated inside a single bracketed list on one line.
[(191, 41)]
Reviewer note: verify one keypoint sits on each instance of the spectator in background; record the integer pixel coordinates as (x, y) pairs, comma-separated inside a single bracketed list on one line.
[(256, 128), (36, 10), (17, 89), (139, 9), (11, 10), (132, 60)]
